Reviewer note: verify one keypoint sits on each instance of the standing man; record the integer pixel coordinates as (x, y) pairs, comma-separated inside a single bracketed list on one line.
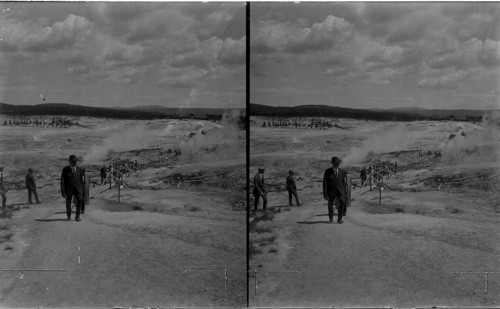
[(72, 184), (259, 189), (363, 176), (291, 187), (31, 186), (335, 189), (103, 174)]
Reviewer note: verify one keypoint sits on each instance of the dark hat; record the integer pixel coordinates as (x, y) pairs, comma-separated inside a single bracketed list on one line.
[(30, 170), (336, 160), (73, 158), (261, 169)]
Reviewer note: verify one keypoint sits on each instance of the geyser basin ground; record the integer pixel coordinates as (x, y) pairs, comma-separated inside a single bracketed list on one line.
[(402, 253)]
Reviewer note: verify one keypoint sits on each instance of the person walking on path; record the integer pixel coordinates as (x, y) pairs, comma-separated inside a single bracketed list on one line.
[(103, 174), (259, 189), (363, 176), (72, 185), (291, 187), (335, 189), (31, 186)]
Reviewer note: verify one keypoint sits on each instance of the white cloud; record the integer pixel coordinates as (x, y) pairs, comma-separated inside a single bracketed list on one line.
[(184, 78), (28, 36), (448, 80), (203, 55), (233, 51), (489, 54), (291, 37)]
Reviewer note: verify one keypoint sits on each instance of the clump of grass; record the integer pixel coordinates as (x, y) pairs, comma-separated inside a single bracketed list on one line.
[(238, 205), (420, 211), (6, 213), (262, 239), (454, 210), (4, 225), (261, 227), (264, 216), (254, 249), (273, 249), (6, 235), (137, 207), (190, 207)]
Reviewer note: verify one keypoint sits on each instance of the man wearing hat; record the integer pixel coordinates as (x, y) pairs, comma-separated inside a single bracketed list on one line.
[(31, 186), (335, 189), (259, 189), (291, 187), (72, 184)]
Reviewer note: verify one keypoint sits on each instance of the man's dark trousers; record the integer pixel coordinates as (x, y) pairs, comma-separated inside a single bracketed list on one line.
[(69, 198), (341, 210), (34, 193), (290, 194), (256, 195)]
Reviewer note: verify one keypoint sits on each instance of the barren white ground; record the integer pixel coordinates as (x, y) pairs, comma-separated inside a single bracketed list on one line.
[(402, 253), (185, 248)]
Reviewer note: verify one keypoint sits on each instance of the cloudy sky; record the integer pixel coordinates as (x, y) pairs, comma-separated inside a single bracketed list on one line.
[(376, 55), (123, 54)]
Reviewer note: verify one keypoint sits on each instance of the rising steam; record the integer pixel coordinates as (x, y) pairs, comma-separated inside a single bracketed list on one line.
[(126, 140), (223, 141), (397, 138), (479, 145)]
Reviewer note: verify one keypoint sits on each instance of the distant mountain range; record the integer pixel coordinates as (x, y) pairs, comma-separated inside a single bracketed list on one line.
[(179, 110), (401, 114), (136, 112), (438, 112), (155, 112)]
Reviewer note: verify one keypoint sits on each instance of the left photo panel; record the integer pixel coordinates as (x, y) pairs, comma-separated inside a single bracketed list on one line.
[(122, 155)]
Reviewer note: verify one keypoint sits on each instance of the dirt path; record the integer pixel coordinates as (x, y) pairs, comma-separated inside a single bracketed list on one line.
[(399, 260), (109, 263)]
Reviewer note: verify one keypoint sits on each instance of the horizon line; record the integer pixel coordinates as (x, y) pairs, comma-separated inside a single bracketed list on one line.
[(381, 108)]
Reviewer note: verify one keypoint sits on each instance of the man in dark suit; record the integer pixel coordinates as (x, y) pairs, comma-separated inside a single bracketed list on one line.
[(335, 189), (72, 184), (259, 189), (103, 174), (31, 186), (291, 187), (363, 176)]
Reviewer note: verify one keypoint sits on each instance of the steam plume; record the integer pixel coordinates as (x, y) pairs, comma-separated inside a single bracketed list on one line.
[(397, 138), (128, 139)]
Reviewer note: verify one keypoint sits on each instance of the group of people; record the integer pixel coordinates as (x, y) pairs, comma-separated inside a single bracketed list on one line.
[(335, 189), (30, 186), (315, 123), (259, 189), (377, 171), (72, 187), (55, 122), (117, 170)]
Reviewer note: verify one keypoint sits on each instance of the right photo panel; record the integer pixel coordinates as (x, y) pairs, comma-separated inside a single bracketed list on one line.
[(374, 154)]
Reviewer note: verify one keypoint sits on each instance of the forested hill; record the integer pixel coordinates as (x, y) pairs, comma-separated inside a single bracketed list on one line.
[(372, 114), (120, 113)]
